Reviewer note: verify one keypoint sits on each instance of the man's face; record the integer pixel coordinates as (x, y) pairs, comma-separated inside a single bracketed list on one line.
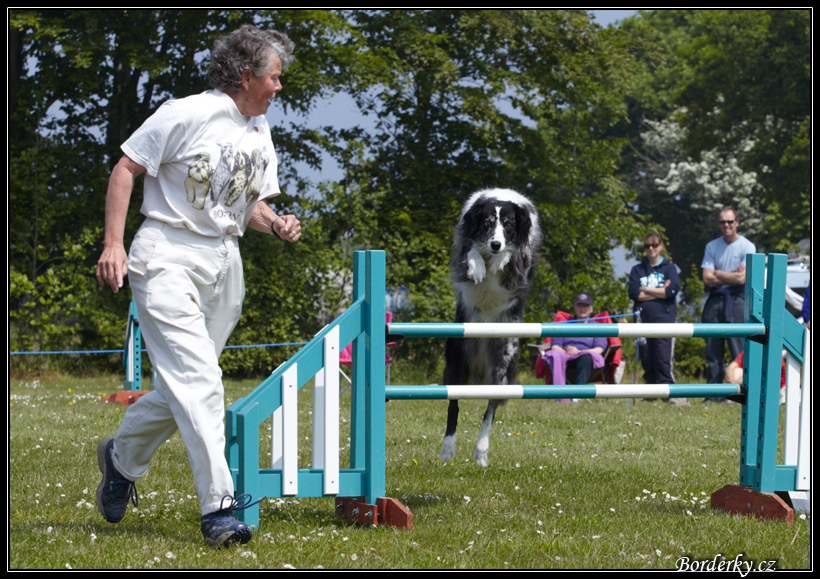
[(259, 90), (728, 225)]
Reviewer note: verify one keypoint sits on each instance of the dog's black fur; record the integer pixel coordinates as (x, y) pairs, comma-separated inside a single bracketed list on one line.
[(492, 268)]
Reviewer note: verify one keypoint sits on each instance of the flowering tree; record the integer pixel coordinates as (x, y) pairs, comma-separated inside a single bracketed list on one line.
[(720, 112), (684, 194), (711, 182)]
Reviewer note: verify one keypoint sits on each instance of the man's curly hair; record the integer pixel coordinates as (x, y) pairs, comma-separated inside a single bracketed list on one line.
[(247, 48)]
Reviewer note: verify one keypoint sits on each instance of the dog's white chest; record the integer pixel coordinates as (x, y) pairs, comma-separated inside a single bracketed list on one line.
[(488, 297)]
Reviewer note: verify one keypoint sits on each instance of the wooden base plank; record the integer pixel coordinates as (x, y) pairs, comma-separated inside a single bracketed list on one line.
[(386, 511), (742, 500), (125, 397)]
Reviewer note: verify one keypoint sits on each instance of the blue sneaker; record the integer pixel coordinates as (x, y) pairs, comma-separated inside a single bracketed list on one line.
[(220, 528), (114, 491)]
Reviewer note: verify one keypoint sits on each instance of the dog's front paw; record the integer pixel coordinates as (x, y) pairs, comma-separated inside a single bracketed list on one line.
[(476, 270), (448, 449), (481, 459)]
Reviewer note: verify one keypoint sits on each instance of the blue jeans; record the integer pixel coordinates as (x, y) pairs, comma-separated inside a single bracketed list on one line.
[(583, 368), (713, 313)]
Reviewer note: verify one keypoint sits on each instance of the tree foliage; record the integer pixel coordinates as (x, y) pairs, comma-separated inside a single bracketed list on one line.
[(499, 98), (682, 190), (753, 83), (735, 87), (542, 101), (80, 82)]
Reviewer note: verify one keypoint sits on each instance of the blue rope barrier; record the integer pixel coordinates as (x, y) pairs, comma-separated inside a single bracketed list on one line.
[(593, 319), (120, 351), (68, 352), (143, 350)]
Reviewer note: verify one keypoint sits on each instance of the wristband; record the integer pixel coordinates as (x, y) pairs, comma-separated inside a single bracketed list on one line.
[(272, 230)]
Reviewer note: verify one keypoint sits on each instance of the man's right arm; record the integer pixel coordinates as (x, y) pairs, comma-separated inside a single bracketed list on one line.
[(720, 277), (112, 266)]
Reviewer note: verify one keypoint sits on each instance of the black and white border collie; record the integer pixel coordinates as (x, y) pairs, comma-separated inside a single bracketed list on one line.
[(492, 268)]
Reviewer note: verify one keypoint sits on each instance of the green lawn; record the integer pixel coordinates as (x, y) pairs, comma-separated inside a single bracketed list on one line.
[(591, 485)]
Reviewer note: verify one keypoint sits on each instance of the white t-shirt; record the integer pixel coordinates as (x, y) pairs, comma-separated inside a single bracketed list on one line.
[(726, 256), (207, 164)]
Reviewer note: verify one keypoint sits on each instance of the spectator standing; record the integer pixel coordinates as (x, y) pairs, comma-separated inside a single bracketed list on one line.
[(654, 287), (724, 275)]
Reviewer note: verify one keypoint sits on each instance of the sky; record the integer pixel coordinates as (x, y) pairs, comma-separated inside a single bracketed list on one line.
[(606, 17)]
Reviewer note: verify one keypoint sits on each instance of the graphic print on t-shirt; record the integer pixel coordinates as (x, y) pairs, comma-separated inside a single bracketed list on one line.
[(235, 174), (654, 280), (199, 180)]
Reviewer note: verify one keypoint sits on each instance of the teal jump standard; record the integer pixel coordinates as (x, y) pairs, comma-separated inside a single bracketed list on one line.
[(767, 328)]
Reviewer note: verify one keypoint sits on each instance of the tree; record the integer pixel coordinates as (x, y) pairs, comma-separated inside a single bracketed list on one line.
[(80, 81), (720, 113), (738, 82), (514, 98), (61, 111), (677, 189), (462, 100), (752, 82), (574, 84)]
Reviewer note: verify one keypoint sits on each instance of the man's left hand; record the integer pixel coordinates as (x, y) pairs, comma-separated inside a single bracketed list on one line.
[(288, 228)]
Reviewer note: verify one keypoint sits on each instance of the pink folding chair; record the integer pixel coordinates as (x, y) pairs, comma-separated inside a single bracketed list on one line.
[(346, 355)]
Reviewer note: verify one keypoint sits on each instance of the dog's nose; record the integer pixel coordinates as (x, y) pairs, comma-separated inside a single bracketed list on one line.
[(495, 245)]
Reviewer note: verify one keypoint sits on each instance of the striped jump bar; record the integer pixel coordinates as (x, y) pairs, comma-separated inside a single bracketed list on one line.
[(547, 391), (564, 330)]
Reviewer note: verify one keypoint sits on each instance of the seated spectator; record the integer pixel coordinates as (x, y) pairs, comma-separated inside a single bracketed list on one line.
[(580, 354), (734, 374), (614, 366)]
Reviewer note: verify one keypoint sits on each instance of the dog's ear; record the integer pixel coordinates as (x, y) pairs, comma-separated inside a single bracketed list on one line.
[(471, 222), (523, 224)]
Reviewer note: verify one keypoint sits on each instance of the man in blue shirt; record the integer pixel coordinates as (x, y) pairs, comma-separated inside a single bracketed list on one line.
[(724, 275)]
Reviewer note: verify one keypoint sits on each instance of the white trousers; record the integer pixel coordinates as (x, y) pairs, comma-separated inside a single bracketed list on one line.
[(188, 290)]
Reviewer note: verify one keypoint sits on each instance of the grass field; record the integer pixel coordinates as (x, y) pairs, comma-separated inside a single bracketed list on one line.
[(610, 484)]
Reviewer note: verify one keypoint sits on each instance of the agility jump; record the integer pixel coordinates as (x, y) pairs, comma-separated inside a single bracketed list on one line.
[(359, 490)]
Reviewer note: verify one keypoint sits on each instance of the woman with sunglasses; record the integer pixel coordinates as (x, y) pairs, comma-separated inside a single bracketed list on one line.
[(654, 286)]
